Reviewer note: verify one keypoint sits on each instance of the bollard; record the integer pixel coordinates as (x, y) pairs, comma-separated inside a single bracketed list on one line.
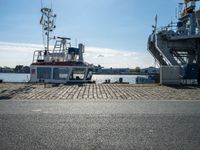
[(108, 80), (120, 80)]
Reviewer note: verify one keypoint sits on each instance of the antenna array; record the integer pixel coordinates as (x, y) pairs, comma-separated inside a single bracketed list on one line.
[(48, 23)]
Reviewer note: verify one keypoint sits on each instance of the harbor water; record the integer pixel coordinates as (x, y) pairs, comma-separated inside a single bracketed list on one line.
[(19, 77)]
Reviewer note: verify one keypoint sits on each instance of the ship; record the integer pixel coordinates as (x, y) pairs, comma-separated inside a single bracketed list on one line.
[(176, 47), (62, 63)]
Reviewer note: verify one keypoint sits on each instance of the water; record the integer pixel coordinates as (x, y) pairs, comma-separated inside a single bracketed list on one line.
[(126, 78), (14, 77)]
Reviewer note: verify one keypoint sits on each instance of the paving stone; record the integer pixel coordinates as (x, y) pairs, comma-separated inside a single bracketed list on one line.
[(97, 91)]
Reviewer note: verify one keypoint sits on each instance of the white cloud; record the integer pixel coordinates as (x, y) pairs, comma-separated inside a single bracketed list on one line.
[(12, 54), (118, 58), (19, 47)]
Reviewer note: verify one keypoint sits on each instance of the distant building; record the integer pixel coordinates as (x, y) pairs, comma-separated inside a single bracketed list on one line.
[(150, 70), (113, 71), (22, 69), (7, 70), (25, 69), (97, 69), (18, 68)]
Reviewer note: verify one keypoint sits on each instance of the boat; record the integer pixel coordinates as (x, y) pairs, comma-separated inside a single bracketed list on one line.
[(61, 64), (176, 47)]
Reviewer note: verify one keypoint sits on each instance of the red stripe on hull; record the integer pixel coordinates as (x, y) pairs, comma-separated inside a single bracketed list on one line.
[(61, 64)]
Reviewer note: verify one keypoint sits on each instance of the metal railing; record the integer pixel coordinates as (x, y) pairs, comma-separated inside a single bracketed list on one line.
[(38, 55)]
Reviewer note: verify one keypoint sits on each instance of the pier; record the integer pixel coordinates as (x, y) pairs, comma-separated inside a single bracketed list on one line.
[(97, 92)]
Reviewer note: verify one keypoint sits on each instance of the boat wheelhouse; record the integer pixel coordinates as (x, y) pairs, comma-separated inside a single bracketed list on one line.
[(62, 64)]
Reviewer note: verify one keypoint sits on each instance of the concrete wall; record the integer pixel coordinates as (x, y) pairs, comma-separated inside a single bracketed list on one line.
[(170, 75)]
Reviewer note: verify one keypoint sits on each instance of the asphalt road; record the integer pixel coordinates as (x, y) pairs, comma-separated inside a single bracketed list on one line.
[(100, 125)]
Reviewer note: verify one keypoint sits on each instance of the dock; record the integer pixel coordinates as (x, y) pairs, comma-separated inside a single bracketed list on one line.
[(97, 92)]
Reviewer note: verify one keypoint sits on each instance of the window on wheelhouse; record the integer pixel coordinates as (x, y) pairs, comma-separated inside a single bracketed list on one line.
[(77, 74), (43, 73), (60, 73)]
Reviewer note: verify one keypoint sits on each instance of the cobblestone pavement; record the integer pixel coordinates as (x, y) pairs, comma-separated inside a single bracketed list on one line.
[(97, 91)]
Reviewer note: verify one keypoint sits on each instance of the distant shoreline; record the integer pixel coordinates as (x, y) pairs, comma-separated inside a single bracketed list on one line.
[(119, 74), (16, 72), (93, 73)]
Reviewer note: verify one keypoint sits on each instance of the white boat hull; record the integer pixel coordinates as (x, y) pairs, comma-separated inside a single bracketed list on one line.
[(60, 74)]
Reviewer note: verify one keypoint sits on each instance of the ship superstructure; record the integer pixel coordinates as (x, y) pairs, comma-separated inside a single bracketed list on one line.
[(178, 44), (61, 64)]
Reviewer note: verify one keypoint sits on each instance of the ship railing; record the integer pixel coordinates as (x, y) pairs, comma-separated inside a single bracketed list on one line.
[(170, 27), (57, 55), (38, 56), (57, 52), (173, 30)]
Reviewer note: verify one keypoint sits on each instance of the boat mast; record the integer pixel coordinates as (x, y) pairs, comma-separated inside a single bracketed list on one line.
[(48, 24)]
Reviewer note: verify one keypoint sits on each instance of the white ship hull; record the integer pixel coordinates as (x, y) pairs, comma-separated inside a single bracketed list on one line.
[(60, 74)]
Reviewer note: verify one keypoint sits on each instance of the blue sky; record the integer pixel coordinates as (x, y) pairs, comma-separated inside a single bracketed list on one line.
[(121, 26)]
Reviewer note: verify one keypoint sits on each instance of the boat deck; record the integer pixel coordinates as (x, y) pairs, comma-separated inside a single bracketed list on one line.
[(97, 92)]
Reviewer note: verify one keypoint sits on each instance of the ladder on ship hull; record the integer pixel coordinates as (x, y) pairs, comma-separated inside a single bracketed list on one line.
[(160, 51)]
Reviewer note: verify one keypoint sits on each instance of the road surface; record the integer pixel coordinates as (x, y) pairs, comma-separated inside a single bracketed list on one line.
[(113, 125)]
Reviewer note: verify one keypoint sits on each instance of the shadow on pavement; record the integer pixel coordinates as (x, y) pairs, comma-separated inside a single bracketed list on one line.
[(9, 94), (188, 87)]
